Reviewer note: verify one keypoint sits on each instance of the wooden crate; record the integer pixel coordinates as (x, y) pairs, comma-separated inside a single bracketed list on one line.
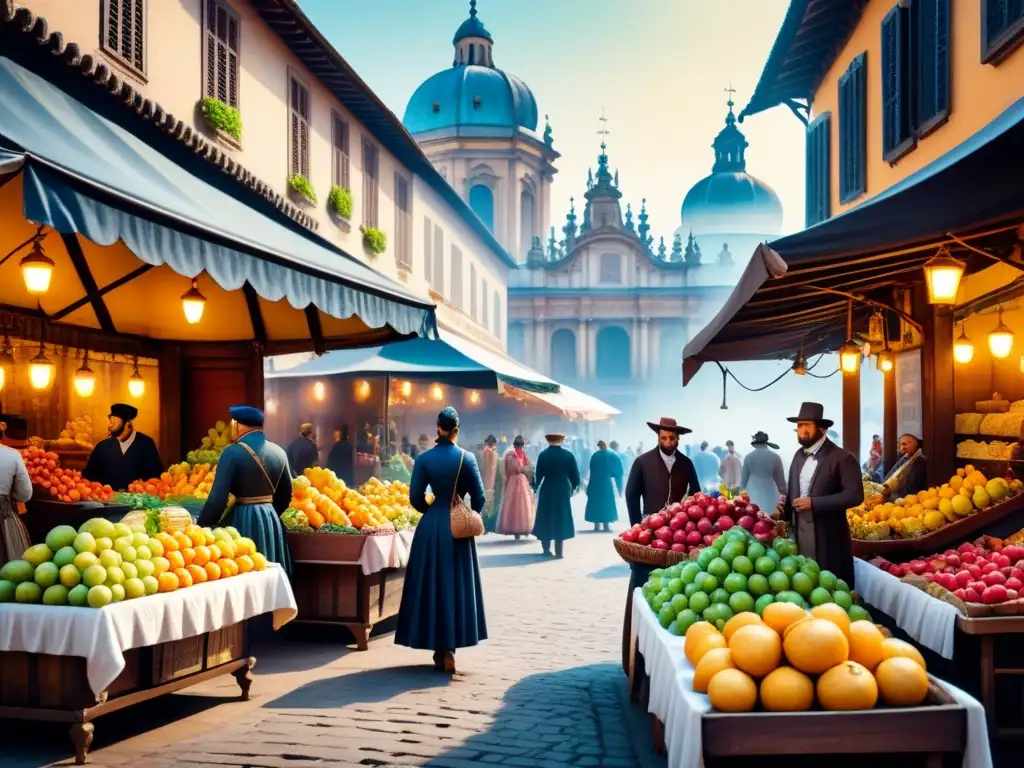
[(178, 659), (325, 547)]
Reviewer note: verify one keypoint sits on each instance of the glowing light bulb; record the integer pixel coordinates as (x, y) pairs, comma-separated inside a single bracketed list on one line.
[(437, 392), (849, 357), (942, 275), (40, 370), (406, 388), (136, 384), (37, 271), (1000, 339), (193, 303), (319, 391), (85, 379)]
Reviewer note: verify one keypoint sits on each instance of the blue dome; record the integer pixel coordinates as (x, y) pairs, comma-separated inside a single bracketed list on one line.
[(472, 27), (471, 95), (732, 203)]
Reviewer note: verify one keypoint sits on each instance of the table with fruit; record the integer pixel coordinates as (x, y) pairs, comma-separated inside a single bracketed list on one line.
[(747, 632)]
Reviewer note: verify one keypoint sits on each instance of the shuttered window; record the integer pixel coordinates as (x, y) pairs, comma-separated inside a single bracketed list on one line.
[(897, 105), (428, 244), (853, 161), (339, 151), (931, 27), (438, 280), (473, 288), (455, 296), (403, 223), (497, 315), (371, 183), (818, 175), (1002, 28), (298, 118), (483, 304), (220, 51), (124, 32)]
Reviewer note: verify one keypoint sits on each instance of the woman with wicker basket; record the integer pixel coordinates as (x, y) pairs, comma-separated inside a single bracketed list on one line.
[(442, 603)]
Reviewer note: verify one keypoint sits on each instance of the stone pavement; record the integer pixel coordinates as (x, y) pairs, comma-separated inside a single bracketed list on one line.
[(546, 689)]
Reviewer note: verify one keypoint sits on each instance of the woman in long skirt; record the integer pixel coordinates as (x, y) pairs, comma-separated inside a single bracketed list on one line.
[(489, 471), (516, 516), (442, 603), (604, 487), (15, 487)]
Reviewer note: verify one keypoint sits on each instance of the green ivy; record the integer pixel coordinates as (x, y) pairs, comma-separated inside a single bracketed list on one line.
[(301, 184), (220, 115), (375, 240), (340, 201)]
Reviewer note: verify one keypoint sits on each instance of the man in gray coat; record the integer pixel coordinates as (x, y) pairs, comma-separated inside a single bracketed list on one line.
[(763, 477)]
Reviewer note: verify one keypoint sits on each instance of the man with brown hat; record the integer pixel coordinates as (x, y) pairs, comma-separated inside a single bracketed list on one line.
[(659, 477), (824, 482)]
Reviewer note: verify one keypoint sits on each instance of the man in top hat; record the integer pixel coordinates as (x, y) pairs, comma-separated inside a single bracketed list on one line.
[(763, 478), (659, 477), (256, 472), (824, 482), (124, 456), (556, 479)]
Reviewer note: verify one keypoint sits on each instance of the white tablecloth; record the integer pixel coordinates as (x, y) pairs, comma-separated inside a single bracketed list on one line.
[(378, 553), (674, 702), (101, 636), (929, 621), (403, 545)]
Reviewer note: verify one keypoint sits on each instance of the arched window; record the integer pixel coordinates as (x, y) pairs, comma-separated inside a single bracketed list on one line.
[(499, 331), (481, 200), (563, 355), (517, 342), (526, 213), (614, 353)]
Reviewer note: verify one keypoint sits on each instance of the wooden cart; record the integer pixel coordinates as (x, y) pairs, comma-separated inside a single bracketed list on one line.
[(331, 588), (51, 688), (989, 630)]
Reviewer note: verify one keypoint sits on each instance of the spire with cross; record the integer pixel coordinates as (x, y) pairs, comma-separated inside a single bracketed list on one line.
[(731, 91), (603, 130)]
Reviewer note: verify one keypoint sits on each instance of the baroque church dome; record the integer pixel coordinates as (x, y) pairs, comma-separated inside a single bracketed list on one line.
[(730, 200), (472, 95)]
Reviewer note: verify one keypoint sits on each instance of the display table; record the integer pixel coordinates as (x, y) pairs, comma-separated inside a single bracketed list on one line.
[(98, 661), (42, 514), (693, 734), (348, 580)]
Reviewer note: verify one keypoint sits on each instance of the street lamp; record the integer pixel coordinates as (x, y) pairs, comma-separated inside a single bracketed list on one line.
[(886, 360), (942, 274), (849, 357)]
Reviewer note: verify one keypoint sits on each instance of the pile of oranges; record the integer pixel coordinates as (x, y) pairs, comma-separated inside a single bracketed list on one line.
[(197, 555)]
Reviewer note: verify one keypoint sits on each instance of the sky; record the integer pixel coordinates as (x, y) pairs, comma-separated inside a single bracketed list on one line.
[(658, 68)]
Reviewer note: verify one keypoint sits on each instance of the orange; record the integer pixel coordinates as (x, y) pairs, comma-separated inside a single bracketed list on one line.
[(227, 568), (244, 563), (817, 645), (160, 565), (188, 555), (198, 573), (835, 614), (259, 561), (778, 616), (787, 690), (714, 661), (184, 579), (176, 559), (901, 681), (210, 538), (847, 687), (196, 536), (227, 548), (892, 647), (705, 642), (212, 571), (732, 691), (700, 629), (756, 649), (799, 621), (215, 553), (738, 621), (866, 644), (202, 556), (167, 582), (168, 542), (182, 540)]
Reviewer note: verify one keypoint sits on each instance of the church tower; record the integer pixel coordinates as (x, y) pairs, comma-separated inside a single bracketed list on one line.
[(478, 125)]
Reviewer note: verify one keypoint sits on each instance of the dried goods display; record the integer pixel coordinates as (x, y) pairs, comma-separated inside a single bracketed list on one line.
[(987, 450)]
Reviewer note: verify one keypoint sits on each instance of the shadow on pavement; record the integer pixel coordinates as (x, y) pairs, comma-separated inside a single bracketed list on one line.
[(578, 716), (33, 745), (500, 540), (620, 571), (366, 687), (512, 560)]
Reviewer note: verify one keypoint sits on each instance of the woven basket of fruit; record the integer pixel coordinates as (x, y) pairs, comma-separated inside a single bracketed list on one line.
[(641, 554)]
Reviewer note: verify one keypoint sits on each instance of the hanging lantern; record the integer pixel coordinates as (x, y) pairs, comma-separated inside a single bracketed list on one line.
[(37, 270), (85, 379), (849, 357), (319, 391), (963, 349), (800, 364), (136, 384), (363, 391), (942, 274), (886, 361), (406, 388), (437, 392), (193, 303), (1000, 339), (474, 397), (876, 329), (40, 370)]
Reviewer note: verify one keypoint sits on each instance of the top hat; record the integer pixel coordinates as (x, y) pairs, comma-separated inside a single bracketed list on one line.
[(666, 424), (554, 437), (812, 412), (124, 412), (761, 438)]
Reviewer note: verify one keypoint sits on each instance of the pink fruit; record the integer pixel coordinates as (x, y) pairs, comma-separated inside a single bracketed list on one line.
[(708, 540), (965, 547), (722, 507), (629, 535), (725, 523), (972, 595), (1017, 573), (1007, 571), (766, 537), (704, 525), (953, 559), (1001, 560), (694, 537), (678, 547), (1014, 552), (989, 568), (978, 586), (690, 526), (1014, 583), (654, 522), (763, 526), (895, 570), (752, 507), (746, 522), (963, 578), (949, 581), (1012, 594), (679, 537), (676, 523), (968, 557), (994, 594), (659, 544), (904, 569), (695, 512), (644, 537), (664, 534), (975, 571), (918, 566), (961, 593), (929, 577)]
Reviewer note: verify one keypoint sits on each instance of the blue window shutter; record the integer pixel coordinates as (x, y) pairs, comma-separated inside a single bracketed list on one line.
[(852, 130), (818, 200), (1002, 28), (897, 112), (933, 73)]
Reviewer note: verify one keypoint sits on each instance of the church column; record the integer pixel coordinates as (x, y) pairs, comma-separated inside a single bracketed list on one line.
[(635, 366), (645, 348), (544, 208), (581, 349), (514, 212), (591, 349), (540, 362)]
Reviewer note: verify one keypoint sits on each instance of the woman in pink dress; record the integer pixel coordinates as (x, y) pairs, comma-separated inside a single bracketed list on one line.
[(516, 516)]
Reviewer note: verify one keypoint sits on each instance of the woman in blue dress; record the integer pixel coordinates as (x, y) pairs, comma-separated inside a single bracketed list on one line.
[(442, 602)]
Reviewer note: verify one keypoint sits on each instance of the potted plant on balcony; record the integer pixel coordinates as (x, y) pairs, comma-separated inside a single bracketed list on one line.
[(374, 240), (223, 120), (339, 205), (301, 190)]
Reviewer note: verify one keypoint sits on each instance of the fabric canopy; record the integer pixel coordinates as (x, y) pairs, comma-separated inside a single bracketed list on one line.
[(84, 174), (570, 402), (452, 360), (794, 293)]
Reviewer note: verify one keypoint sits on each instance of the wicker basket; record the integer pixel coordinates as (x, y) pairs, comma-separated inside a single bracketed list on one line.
[(641, 555)]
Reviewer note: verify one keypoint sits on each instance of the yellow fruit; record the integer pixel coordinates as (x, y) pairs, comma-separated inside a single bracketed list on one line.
[(714, 661), (891, 647), (738, 621), (847, 687), (866, 644), (799, 621), (962, 506), (910, 499), (933, 520), (835, 614), (704, 642), (946, 508), (980, 498), (815, 646), (787, 690), (901, 682), (732, 691), (997, 489), (778, 616), (955, 482), (756, 649)]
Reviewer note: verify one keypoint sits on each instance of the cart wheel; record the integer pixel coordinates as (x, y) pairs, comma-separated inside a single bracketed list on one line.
[(81, 736)]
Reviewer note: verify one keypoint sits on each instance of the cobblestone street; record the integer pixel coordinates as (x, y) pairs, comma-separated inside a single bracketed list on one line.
[(547, 689)]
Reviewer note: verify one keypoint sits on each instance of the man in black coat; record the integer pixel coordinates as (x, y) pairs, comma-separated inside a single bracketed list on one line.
[(824, 482), (126, 455), (657, 478)]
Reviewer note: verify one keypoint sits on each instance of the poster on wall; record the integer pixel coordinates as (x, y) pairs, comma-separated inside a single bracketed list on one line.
[(908, 393)]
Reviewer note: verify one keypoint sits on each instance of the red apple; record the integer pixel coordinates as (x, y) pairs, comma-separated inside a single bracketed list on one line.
[(1001, 560), (722, 507), (659, 544), (965, 547), (1014, 583), (895, 570), (676, 523), (695, 512), (766, 537), (705, 526), (1017, 573), (1014, 552), (763, 526), (963, 578), (644, 537), (690, 526), (961, 593), (994, 594), (694, 538), (975, 571), (972, 595), (989, 568), (952, 558), (968, 557), (1007, 571), (678, 547), (918, 566), (746, 522), (664, 534), (679, 537), (949, 581), (725, 523)]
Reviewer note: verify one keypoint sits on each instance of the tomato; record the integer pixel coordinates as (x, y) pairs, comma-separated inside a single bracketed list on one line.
[(53, 491)]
